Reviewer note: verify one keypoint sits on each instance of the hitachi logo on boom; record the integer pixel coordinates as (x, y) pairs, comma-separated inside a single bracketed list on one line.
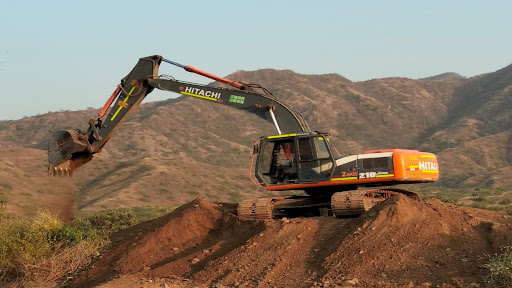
[(201, 92), (432, 166)]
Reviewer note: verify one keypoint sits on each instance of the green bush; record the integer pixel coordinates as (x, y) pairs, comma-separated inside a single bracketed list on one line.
[(73, 232), (27, 239), (500, 268), (112, 220)]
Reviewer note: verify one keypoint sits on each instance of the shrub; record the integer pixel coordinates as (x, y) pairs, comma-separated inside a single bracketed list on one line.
[(500, 268), (36, 252), (505, 201), (446, 199), (6, 187), (112, 220), (73, 232), (3, 201), (39, 250)]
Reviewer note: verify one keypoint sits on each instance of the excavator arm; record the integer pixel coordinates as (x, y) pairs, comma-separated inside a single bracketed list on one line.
[(69, 149)]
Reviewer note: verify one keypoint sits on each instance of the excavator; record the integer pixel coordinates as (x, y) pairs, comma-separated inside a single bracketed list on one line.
[(296, 158)]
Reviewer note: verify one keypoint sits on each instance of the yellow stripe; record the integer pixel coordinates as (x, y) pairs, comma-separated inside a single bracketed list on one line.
[(414, 166), (428, 156), (429, 171), (384, 175), (120, 107), (281, 136), (344, 178), (199, 96)]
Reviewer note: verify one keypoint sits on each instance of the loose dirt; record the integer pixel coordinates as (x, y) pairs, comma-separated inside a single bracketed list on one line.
[(27, 189), (398, 243)]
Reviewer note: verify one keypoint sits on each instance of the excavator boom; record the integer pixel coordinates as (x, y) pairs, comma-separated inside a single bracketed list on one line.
[(68, 150)]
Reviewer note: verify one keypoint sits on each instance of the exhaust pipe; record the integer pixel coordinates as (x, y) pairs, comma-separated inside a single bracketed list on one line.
[(67, 150)]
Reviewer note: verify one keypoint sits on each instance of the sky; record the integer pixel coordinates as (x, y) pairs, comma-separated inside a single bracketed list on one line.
[(70, 55)]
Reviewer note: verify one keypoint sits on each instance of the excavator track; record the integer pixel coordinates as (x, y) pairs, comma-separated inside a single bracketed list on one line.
[(341, 204), (356, 202), (266, 208), (259, 208)]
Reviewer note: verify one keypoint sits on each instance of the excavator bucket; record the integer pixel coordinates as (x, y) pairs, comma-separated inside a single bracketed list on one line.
[(67, 150)]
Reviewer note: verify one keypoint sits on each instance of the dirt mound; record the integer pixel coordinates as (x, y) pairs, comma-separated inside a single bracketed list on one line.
[(173, 244), (403, 241), (398, 243)]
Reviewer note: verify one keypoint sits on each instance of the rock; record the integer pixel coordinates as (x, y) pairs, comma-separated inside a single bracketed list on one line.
[(194, 260), (146, 268), (350, 282)]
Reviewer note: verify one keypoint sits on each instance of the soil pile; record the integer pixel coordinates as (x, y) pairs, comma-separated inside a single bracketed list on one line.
[(398, 243), (404, 241)]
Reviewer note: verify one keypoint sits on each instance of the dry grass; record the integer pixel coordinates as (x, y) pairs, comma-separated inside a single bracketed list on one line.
[(62, 262), (38, 251)]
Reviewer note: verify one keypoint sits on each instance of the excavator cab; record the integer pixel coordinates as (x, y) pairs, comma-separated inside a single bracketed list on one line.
[(293, 159)]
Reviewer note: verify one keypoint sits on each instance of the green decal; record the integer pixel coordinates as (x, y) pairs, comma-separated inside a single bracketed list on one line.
[(237, 99)]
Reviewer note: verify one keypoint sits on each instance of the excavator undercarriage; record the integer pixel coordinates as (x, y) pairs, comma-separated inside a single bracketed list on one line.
[(340, 204)]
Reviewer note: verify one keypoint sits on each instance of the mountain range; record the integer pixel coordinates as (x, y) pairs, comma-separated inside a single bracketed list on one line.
[(172, 151)]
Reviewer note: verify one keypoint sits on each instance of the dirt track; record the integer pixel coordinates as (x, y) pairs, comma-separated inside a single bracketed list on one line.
[(398, 243)]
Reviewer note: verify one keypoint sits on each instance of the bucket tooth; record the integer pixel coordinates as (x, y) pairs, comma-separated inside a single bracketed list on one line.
[(64, 169)]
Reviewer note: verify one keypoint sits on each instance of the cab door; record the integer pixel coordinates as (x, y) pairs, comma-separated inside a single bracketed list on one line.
[(314, 159)]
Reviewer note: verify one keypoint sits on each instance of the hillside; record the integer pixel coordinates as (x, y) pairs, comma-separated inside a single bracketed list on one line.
[(169, 151)]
